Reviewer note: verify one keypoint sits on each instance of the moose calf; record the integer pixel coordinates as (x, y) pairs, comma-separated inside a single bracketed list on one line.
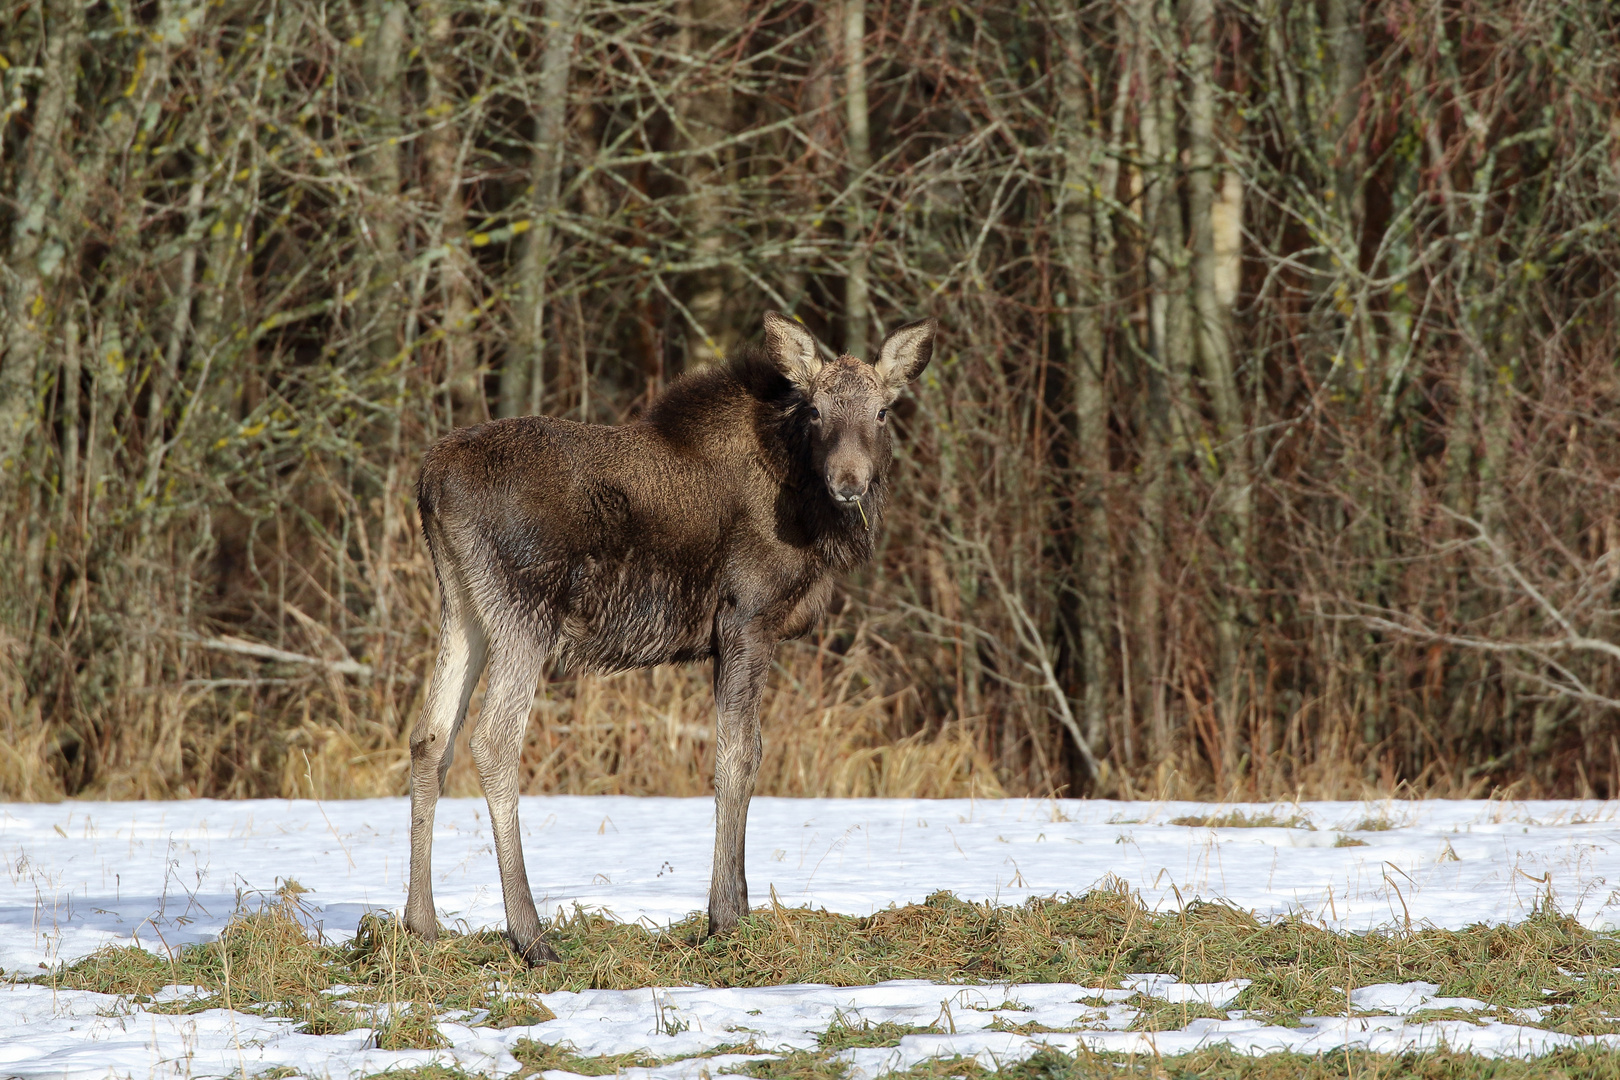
[(711, 528)]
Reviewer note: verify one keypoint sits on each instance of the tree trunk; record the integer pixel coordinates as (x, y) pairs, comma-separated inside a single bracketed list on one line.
[(37, 253), (1234, 484), (442, 157), (1163, 430), (382, 314), (381, 311), (707, 117), (1350, 67), (1086, 245), (165, 382), (857, 298), (523, 381)]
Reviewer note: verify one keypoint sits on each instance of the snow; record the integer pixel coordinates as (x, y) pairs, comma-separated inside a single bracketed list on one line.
[(80, 875)]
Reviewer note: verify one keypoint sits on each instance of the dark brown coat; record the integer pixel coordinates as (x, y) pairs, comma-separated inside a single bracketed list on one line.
[(712, 528)]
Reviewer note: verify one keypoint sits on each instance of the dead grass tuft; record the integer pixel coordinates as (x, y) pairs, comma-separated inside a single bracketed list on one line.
[(1382, 821), (1238, 819)]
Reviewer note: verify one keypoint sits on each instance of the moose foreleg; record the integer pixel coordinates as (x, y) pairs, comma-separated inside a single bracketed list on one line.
[(461, 660), (741, 662)]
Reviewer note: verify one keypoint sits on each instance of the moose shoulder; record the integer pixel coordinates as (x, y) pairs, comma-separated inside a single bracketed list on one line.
[(712, 528)]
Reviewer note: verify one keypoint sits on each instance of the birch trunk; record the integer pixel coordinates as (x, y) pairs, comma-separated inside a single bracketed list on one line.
[(1163, 429), (1233, 522)]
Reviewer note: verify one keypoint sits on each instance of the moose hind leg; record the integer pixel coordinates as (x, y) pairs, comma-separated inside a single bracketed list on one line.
[(462, 650), (496, 748), (740, 666)]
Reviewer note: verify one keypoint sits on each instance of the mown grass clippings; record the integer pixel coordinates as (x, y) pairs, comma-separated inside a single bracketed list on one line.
[(1214, 1063), (1447, 1015), (325, 1016), (1238, 819), (843, 1035), (516, 1010), (415, 1027), (183, 1006), (430, 1071), (1581, 1019), (536, 1056), (1156, 1014), (267, 961), (1013, 1027), (1223, 1063), (797, 1065)]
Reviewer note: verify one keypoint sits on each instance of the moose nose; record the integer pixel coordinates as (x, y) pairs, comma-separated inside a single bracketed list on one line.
[(847, 488)]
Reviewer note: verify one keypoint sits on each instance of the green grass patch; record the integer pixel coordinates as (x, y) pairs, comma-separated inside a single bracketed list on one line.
[(1001, 1023), (842, 1035), (1220, 1063), (537, 1056), (419, 1072), (799, 1065), (1156, 1014), (1441, 1016), (1580, 1019), (266, 961)]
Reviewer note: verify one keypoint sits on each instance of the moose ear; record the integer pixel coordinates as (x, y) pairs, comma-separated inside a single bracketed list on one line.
[(792, 349), (905, 353)]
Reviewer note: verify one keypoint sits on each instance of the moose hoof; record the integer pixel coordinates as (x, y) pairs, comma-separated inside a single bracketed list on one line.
[(535, 953)]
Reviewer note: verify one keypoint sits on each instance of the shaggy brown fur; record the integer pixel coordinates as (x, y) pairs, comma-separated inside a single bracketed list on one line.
[(713, 528)]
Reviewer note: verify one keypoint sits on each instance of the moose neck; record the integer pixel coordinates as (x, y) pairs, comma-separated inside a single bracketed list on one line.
[(704, 410)]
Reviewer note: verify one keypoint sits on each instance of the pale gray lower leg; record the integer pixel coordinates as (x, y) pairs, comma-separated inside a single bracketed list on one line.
[(740, 668), (462, 650), (497, 748)]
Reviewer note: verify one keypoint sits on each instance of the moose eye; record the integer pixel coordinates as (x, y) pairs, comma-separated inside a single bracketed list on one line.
[(815, 413), (882, 414)]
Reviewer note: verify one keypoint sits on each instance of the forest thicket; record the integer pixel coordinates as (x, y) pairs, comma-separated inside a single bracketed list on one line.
[(1271, 448)]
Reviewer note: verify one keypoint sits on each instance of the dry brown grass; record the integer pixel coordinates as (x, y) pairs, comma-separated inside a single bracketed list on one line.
[(828, 732), (1238, 819)]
